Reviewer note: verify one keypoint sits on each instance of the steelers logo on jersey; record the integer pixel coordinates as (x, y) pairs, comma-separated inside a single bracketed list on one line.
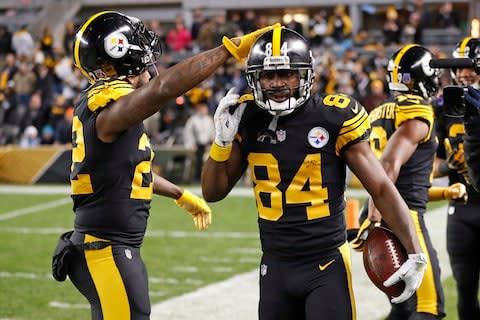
[(116, 45), (318, 137)]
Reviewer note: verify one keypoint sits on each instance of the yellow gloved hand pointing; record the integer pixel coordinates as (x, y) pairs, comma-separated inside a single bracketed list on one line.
[(197, 207), (239, 47)]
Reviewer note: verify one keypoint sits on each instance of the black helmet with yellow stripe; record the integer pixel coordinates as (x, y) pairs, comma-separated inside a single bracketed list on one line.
[(110, 44), (276, 50), (409, 71), (469, 47)]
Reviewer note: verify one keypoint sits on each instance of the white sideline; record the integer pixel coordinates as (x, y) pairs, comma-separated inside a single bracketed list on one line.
[(65, 189), (236, 298)]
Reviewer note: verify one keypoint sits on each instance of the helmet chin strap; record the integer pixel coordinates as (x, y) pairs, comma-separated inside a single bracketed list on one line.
[(281, 108)]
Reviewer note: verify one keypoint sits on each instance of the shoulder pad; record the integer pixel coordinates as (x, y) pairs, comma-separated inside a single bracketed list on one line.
[(246, 98), (355, 124), (414, 109), (99, 96), (411, 107)]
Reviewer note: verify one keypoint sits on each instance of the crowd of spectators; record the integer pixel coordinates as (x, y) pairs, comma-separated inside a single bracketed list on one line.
[(39, 83)]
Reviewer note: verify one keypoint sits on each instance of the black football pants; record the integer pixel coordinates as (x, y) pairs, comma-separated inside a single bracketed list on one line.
[(307, 289), (114, 280), (463, 245)]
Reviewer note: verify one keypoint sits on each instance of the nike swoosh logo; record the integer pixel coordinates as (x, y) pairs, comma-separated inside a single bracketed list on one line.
[(325, 266), (355, 108)]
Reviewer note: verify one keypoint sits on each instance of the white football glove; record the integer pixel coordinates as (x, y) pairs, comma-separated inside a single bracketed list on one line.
[(226, 123), (411, 272)]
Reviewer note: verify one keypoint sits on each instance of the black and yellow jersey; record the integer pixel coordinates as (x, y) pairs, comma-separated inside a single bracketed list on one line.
[(111, 183), (415, 176), (453, 129), (298, 172)]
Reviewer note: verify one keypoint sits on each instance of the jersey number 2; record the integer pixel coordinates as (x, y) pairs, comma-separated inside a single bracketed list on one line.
[(82, 184)]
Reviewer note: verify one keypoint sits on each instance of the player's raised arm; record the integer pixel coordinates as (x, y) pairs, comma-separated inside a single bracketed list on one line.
[(111, 45)]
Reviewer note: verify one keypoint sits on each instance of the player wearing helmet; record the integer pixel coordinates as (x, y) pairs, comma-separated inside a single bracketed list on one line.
[(297, 147), (403, 137), (111, 178), (463, 220)]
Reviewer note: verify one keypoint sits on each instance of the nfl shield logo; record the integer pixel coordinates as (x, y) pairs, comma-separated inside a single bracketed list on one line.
[(281, 135), (128, 254), (263, 269)]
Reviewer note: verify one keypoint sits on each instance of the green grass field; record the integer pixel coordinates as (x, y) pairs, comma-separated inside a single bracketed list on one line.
[(179, 259)]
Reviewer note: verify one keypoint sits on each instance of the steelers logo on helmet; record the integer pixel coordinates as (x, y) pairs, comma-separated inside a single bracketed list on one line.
[(116, 45), (318, 137), (425, 63)]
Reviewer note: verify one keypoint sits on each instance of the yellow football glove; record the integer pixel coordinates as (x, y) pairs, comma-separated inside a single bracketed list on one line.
[(245, 42), (456, 160), (362, 234), (197, 207), (456, 192)]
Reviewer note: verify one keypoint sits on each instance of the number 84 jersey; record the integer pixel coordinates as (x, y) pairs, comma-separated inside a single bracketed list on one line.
[(298, 172)]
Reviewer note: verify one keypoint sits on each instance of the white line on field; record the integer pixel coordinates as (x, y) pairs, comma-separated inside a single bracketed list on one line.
[(244, 191), (155, 234), (64, 305), (22, 275), (37, 208)]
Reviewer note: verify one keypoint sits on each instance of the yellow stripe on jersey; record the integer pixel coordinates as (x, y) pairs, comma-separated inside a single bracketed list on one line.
[(102, 95), (76, 45), (420, 112), (426, 293), (352, 130), (276, 41), (463, 45), (398, 58), (347, 260), (352, 121), (111, 292)]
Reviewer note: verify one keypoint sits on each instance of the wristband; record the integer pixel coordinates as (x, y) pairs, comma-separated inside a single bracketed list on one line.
[(437, 193), (219, 153)]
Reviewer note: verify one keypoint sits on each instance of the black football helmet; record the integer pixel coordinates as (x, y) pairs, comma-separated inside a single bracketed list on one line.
[(467, 48), (280, 49), (111, 44), (409, 71)]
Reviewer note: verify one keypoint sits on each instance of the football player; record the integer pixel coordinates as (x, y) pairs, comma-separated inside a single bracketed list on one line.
[(472, 137), (403, 137), (111, 178), (463, 222), (297, 147)]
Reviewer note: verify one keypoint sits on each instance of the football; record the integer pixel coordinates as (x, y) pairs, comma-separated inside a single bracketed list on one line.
[(383, 254)]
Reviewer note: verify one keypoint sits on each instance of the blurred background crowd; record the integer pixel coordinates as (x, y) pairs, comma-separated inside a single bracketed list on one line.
[(39, 84)]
